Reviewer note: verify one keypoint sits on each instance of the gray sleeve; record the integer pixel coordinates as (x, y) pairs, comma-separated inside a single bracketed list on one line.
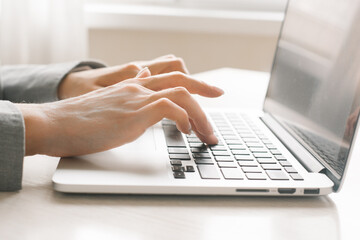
[(12, 148), (30, 83), (36, 83)]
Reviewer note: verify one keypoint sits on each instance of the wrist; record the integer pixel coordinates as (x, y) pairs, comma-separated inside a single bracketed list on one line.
[(68, 87), (36, 130)]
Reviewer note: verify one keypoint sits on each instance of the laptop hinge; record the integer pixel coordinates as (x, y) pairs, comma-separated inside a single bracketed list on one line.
[(309, 162)]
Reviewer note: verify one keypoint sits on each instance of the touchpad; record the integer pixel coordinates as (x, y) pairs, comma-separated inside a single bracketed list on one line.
[(145, 155)]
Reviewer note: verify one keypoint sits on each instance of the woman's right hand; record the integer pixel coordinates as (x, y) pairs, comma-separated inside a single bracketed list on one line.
[(115, 115)]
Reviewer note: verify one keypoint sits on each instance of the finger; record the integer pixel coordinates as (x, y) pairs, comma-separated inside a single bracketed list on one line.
[(112, 75), (176, 79), (167, 65), (208, 139), (164, 108), (182, 98)]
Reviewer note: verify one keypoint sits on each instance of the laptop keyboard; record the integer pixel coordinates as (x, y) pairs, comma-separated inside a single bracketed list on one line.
[(243, 152)]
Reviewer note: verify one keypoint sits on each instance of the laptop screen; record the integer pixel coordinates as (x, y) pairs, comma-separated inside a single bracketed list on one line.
[(314, 91)]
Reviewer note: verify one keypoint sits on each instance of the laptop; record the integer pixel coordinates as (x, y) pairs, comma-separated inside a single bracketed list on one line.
[(299, 145)]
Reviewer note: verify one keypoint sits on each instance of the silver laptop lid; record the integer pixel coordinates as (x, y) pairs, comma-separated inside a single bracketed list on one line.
[(314, 91)]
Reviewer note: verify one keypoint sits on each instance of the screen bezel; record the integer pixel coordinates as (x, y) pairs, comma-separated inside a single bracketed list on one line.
[(327, 171)]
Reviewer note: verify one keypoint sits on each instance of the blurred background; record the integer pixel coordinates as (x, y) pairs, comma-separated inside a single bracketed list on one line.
[(208, 34)]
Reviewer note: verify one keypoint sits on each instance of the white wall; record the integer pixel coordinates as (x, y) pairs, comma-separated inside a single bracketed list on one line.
[(201, 51)]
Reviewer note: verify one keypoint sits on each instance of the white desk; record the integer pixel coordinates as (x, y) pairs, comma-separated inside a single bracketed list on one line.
[(38, 212)]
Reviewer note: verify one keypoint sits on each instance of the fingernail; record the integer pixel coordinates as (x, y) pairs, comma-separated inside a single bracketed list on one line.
[(142, 71), (213, 140)]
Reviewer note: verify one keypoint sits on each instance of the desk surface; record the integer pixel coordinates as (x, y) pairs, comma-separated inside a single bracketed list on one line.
[(38, 212)]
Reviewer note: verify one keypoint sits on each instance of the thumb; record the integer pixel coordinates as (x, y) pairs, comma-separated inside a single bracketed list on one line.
[(145, 72)]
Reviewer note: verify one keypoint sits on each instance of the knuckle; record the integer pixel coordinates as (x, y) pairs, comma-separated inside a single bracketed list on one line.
[(181, 91), (132, 67), (178, 74), (164, 103), (132, 88)]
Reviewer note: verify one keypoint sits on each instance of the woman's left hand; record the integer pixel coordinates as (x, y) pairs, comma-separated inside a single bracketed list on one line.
[(78, 83)]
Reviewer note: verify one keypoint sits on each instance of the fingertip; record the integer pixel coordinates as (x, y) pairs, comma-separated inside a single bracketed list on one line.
[(218, 90), (212, 140)]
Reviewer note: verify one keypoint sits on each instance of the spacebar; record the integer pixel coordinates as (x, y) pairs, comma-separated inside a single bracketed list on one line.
[(208, 172), (173, 136)]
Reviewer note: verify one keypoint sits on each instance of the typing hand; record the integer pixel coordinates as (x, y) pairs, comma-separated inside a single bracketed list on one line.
[(78, 83), (112, 116)]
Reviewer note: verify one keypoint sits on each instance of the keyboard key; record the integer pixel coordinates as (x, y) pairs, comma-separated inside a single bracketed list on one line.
[(237, 147), (233, 142), (266, 141), (248, 163), (266, 160), (270, 146), (199, 150), (168, 122), (208, 172), (250, 140), (224, 158), (232, 173), (176, 163), (255, 176), (204, 161), (290, 170), (254, 145), (258, 150), (218, 148), (201, 155), (177, 168), (179, 174), (240, 152), (173, 137), (246, 135), (177, 150), (285, 164), (272, 166), (230, 137), (262, 155), (190, 168), (227, 132), (181, 156), (192, 135), (296, 176), (277, 175), (251, 169), (227, 164), (194, 140), (197, 145), (275, 152), (221, 153), (280, 157), (244, 158)]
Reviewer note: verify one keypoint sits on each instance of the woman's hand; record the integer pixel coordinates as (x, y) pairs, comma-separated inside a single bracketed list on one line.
[(112, 116), (78, 83), (164, 64)]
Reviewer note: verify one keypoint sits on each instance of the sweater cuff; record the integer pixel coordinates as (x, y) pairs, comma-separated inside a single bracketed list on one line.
[(37, 83), (12, 144)]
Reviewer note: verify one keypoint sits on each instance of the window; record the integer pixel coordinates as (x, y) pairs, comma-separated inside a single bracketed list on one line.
[(244, 5), (221, 16)]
